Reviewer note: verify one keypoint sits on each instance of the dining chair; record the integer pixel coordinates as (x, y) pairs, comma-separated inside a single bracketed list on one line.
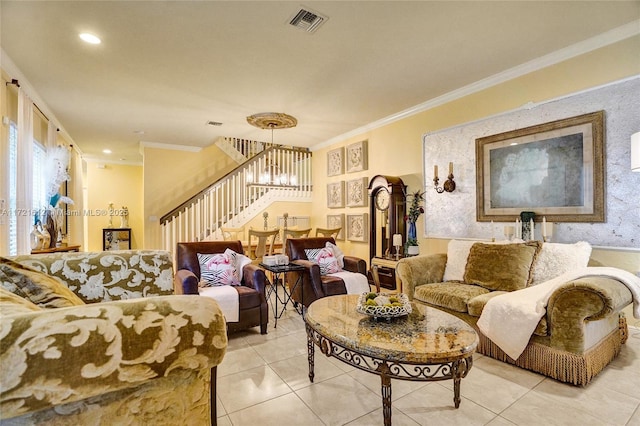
[(232, 234), (261, 243), (328, 232), (294, 233)]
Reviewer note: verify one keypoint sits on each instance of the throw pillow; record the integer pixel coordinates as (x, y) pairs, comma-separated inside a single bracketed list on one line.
[(555, 259), (217, 269), (239, 260), (40, 289), (505, 267), (12, 304), (325, 259), (337, 253), (457, 254)]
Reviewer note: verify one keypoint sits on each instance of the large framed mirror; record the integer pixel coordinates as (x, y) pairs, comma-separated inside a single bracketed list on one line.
[(387, 211)]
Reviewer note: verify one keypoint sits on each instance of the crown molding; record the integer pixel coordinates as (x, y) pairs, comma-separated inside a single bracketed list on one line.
[(102, 160), (169, 146), (610, 37)]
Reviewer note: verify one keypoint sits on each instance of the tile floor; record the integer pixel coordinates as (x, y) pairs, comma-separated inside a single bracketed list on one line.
[(263, 380)]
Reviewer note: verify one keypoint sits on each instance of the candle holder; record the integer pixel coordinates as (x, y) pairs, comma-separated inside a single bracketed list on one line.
[(547, 231), (397, 243), (449, 184), (398, 252)]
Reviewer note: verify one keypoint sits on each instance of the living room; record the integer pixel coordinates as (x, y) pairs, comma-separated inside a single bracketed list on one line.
[(165, 174)]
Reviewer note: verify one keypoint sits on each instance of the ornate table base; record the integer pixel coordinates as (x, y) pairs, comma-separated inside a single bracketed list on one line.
[(456, 369), (426, 345)]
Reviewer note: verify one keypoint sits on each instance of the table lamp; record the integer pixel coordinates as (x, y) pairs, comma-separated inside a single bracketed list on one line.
[(397, 243)]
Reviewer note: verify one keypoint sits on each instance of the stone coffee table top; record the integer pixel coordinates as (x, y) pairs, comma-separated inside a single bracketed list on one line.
[(427, 335)]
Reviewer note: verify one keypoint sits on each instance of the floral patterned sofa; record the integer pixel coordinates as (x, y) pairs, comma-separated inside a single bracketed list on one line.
[(98, 338)]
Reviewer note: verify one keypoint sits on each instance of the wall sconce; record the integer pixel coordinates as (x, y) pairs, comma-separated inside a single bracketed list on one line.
[(449, 184), (635, 152)]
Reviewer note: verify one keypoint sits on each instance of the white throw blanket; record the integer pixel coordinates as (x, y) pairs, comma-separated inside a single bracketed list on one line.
[(354, 282), (510, 319), (228, 299)]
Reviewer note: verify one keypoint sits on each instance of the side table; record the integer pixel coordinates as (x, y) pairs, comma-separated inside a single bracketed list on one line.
[(387, 273), (279, 272), (60, 249)]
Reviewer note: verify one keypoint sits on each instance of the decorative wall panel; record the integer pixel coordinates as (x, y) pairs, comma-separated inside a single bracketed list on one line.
[(453, 215)]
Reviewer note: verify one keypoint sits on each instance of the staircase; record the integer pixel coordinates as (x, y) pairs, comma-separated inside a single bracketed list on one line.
[(241, 150), (272, 173)]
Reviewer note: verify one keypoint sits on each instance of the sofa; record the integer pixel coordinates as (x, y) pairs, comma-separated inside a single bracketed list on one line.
[(582, 329), (315, 285), (99, 338), (253, 308)]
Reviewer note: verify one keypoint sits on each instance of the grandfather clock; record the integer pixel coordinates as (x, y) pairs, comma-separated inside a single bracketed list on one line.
[(387, 211)]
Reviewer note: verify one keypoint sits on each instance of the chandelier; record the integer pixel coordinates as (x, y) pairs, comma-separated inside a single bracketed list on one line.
[(272, 174)]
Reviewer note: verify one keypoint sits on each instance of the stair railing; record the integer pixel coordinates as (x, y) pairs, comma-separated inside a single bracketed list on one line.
[(276, 174)]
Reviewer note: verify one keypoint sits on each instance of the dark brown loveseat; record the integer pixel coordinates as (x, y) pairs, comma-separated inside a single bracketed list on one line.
[(314, 285), (253, 302)]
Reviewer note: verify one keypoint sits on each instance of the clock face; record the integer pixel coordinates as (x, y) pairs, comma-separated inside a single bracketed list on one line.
[(382, 199)]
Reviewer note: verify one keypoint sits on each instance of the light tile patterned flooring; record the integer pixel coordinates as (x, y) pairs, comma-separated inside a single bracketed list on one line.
[(263, 380)]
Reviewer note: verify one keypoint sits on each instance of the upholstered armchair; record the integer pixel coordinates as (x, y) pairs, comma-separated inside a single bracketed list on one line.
[(253, 303), (314, 285), (99, 338)]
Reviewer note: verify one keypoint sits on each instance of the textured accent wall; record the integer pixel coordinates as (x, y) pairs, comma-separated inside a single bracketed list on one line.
[(453, 215)]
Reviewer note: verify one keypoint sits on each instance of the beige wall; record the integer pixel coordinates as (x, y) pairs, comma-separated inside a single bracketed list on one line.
[(171, 177), (117, 184), (396, 149)]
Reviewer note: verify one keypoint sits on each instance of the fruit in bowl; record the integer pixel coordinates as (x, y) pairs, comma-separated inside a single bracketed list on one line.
[(384, 305)]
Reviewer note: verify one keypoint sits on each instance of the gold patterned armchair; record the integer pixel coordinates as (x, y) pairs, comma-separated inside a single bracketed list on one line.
[(99, 338)]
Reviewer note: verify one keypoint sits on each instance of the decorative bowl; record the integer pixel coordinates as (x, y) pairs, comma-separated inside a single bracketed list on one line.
[(387, 311)]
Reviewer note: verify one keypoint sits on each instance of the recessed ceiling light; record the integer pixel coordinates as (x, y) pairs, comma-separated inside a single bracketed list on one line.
[(106, 151), (139, 132), (90, 38)]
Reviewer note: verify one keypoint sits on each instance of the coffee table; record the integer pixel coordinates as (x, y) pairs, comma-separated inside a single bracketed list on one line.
[(426, 345)]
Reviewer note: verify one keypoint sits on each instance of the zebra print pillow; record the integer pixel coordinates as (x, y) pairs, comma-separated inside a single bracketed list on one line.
[(325, 259), (217, 269)]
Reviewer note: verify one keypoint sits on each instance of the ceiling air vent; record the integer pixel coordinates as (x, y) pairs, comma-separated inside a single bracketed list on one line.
[(307, 20)]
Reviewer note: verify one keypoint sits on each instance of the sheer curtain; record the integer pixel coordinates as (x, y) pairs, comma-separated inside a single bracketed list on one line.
[(24, 184), (52, 136)]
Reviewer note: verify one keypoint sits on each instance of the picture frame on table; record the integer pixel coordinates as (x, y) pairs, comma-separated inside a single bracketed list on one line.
[(357, 192), (356, 157), (337, 221), (358, 227), (555, 169), (335, 195)]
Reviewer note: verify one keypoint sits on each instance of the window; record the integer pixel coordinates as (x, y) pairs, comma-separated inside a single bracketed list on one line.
[(13, 179), (39, 200)]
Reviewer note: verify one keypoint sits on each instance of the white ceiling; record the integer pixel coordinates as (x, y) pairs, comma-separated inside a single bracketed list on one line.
[(167, 68)]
